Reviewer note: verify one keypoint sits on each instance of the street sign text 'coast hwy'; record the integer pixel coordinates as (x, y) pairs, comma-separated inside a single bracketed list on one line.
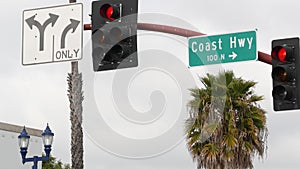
[(216, 49)]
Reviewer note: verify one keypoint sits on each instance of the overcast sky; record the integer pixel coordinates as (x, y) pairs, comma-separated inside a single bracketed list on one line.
[(134, 118)]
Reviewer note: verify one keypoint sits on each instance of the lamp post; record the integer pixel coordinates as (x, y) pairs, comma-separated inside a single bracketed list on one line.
[(23, 138)]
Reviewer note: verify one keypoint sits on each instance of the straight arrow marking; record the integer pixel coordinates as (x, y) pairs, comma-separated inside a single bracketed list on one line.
[(72, 26)]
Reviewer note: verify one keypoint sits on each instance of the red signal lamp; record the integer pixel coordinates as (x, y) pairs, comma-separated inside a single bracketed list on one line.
[(282, 53), (110, 12)]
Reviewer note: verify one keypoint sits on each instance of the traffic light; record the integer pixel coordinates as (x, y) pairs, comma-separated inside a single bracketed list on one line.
[(286, 74), (114, 29)]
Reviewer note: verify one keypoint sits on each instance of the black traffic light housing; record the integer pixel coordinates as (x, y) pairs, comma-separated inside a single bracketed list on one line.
[(286, 74), (114, 34)]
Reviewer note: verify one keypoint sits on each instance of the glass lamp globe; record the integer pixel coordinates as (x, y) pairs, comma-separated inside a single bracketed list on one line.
[(47, 136), (23, 139)]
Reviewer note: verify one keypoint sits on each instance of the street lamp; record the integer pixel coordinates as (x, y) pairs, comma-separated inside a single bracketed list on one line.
[(23, 138)]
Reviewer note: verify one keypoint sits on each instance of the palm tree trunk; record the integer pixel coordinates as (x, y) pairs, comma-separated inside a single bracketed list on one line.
[(75, 95)]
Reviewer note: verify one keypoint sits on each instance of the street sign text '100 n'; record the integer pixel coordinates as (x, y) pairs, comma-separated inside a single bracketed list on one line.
[(52, 34), (216, 49)]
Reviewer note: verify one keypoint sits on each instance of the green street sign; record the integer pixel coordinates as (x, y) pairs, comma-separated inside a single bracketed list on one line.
[(225, 48)]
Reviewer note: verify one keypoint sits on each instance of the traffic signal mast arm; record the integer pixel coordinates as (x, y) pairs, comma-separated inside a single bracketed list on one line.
[(263, 57)]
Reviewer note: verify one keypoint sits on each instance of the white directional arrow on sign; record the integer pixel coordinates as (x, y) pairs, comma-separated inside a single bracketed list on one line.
[(233, 55)]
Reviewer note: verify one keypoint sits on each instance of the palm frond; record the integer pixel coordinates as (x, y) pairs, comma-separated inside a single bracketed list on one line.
[(228, 126)]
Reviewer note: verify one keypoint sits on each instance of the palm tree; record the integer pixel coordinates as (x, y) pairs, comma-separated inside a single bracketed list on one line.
[(226, 127), (75, 95)]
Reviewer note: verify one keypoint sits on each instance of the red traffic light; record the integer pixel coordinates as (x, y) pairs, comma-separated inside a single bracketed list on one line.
[(110, 12), (114, 37), (282, 53), (286, 79)]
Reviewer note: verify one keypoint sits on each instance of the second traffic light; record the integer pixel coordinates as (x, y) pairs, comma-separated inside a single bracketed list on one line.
[(286, 74), (114, 29)]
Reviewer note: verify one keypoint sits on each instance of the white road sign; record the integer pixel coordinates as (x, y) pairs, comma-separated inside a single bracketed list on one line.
[(52, 34)]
